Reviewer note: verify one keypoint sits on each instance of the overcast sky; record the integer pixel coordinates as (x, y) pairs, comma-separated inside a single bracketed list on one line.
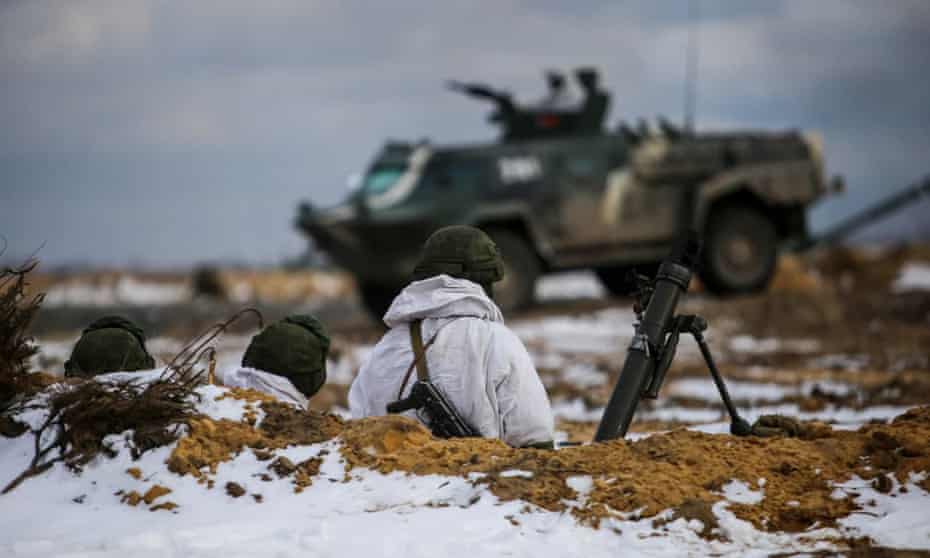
[(168, 133)]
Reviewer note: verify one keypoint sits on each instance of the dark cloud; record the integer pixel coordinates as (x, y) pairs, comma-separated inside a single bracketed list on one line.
[(171, 132)]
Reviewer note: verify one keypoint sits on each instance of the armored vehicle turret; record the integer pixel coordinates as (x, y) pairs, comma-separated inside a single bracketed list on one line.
[(557, 193)]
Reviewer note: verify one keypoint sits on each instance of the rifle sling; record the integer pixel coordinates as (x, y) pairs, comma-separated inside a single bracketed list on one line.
[(419, 355)]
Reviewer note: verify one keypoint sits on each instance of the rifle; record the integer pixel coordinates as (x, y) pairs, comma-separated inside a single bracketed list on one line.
[(442, 418), (655, 341)]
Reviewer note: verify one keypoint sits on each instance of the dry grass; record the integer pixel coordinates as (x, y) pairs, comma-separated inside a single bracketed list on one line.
[(81, 415), (17, 311)]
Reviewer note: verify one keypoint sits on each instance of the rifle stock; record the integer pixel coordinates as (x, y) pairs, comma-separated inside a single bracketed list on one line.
[(444, 421)]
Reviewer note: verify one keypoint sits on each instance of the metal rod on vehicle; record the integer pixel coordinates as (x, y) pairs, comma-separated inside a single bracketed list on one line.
[(888, 205)]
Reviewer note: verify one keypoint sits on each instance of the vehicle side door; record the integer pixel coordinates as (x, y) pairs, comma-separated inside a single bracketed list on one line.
[(580, 174)]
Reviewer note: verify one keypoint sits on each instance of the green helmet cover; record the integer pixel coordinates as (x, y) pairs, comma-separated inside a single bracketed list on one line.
[(463, 252), (295, 348), (109, 344)]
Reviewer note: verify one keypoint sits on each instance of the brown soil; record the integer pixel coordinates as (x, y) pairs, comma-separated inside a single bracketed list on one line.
[(234, 489), (298, 427), (329, 397), (580, 432), (679, 470), (210, 442), (131, 498), (839, 298), (664, 471), (154, 493), (843, 299)]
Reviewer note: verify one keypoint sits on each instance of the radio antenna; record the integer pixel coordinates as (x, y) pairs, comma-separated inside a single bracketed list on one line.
[(691, 64)]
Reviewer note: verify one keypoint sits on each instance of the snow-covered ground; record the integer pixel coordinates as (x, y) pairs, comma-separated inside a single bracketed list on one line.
[(914, 276), (570, 285), (118, 289), (360, 512), (125, 290)]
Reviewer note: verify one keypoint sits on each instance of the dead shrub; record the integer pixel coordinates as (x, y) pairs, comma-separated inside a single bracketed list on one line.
[(81, 416), (16, 346)]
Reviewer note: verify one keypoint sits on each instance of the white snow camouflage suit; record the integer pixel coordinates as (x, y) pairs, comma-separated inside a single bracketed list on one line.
[(481, 366)]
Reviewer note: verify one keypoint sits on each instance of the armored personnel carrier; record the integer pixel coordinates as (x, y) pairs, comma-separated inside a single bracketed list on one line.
[(558, 193)]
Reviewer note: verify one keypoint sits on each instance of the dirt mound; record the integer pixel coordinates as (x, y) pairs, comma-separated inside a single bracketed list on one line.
[(794, 274), (210, 442), (298, 427), (664, 471), (681, 470), (866, 269)]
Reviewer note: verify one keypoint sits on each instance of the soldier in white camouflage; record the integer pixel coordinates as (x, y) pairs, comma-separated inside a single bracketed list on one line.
[(286, 360), (478, 364)]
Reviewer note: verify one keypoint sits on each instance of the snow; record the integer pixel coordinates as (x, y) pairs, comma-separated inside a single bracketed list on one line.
[(398, 514), (569, 285), (229, 350), (913, 276), (840, 417), (512, 473), (126, 290), (582, 484), (583, 375), (751, 345), (899, 519), (840, 362), (575, 410), (342, 371), (705, 389), (740, 492), (228, 408), (362, 514), (605, 332), (680, 414), (752, 392), (742, 533), (366, 513)]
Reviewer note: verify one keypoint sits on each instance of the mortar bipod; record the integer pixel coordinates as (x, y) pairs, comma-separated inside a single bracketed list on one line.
[(695, 325)]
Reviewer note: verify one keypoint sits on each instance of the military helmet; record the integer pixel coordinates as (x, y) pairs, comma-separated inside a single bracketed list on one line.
[(294, 348), (463, 252), (109, 344)]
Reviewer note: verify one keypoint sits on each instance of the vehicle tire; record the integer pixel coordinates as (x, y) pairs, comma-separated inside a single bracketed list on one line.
[(521, 269), (617, 280), (740, 250), (376, 298)]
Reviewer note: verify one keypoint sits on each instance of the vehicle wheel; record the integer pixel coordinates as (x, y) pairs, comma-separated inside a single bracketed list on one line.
[(740, 251), (376, 298), (521, 268), (617, 280)]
